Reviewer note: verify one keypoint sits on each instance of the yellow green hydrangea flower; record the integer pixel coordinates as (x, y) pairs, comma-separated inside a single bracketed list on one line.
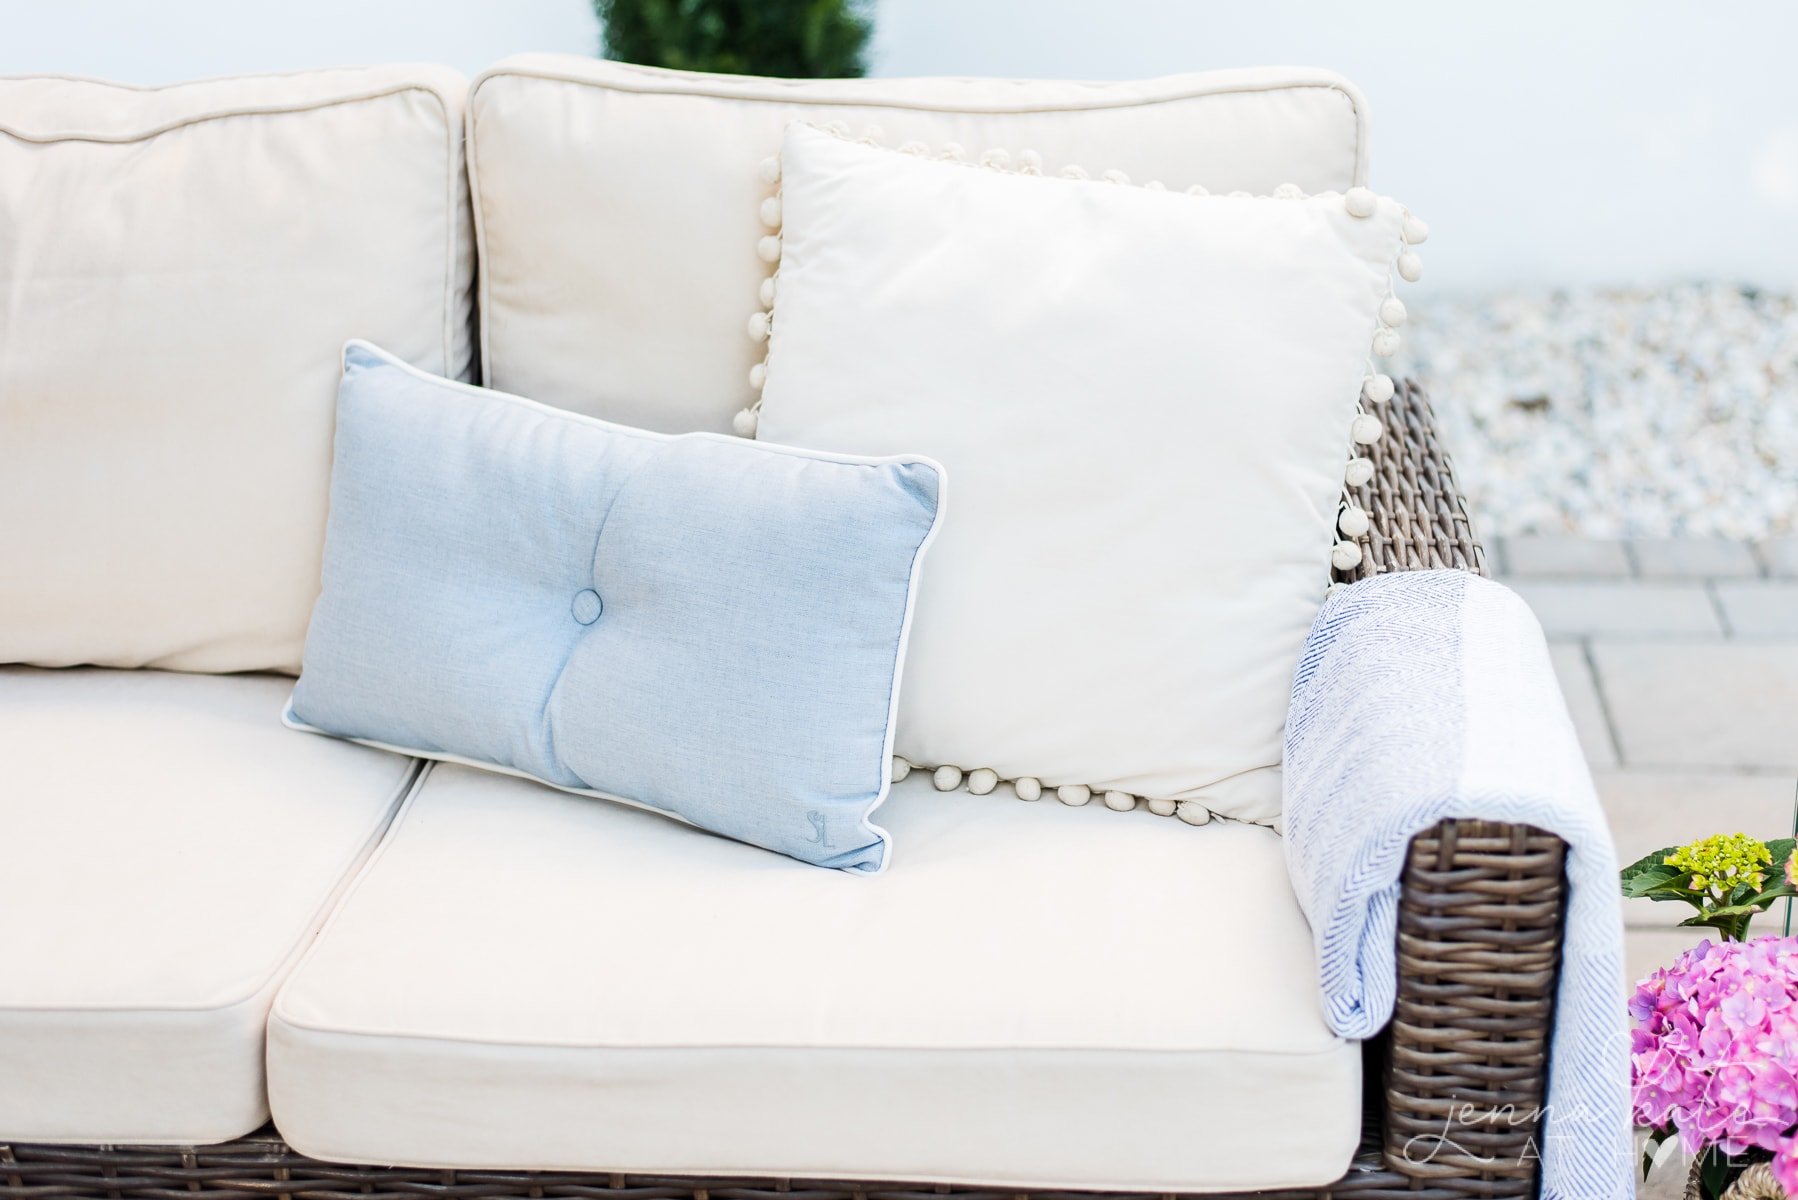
[(1722, 861)]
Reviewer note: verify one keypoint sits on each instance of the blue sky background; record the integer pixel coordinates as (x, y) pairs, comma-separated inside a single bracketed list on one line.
[(1547, 143)]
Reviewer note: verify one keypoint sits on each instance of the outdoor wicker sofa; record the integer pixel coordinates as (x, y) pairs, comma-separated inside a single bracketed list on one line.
[(1479, 942), (210, 922)]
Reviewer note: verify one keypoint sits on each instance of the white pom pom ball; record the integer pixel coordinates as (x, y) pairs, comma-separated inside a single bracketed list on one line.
[(1410, 267), (1385, 343), (1028, 788), (1163, 808), (768, 249), (1198, 190), (914, 148), (1345, 556), (1366, 430), (1073, 794), (946, 778), (996, 159), (745, 422), (1416, 233), (1377, 388), (1289, 191), (874, 135), (1115, 176), (758, 376), (1360, 202), (758, 327), (1358, 472), (901, 769), (1392, 311), (1353, 522), (840, 128), (770, 169), (771, 212), (1194, 813), (1073, 171), (1030, 162), (766, 292), (982, 780), (952, 152), (1120, 801), (1154, 185)]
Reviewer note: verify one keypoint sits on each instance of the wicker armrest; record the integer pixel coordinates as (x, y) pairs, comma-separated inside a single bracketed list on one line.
[(1458, 1079), (1419, 517), (1463, 1066)]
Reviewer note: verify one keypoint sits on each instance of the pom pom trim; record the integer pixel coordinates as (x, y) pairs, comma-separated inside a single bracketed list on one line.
[(983, 781)]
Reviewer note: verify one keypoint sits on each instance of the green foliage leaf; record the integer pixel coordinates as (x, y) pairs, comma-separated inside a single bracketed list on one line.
[(1656, 859), (1757, 903), (1705, 919), (1717, 1171), (1731, 911), (1650, 874), (1650, 1145), (1659, 883)]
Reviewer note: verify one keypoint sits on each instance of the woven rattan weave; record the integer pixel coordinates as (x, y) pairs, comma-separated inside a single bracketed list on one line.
[(1419, 519), (1456, 1082)]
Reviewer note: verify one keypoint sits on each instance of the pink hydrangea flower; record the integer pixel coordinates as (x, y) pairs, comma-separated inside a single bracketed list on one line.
[(1715, 1050)]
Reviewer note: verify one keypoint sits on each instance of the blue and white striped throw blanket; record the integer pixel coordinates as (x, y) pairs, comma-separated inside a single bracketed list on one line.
[(1423, 695)]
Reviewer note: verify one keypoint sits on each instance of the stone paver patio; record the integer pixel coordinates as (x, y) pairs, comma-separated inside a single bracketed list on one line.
[(1679, 661)]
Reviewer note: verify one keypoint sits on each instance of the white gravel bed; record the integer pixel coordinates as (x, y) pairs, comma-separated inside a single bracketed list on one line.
[(1662, 413)]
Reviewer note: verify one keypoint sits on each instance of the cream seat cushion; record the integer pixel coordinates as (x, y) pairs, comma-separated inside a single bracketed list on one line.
[(617, 204), (169, 849), (179, 268), (527, 978)]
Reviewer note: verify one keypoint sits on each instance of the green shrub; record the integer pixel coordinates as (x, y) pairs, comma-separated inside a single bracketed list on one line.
[(799, 39)]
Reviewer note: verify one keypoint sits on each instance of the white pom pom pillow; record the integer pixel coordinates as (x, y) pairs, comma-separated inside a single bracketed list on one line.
[(1148, 400)]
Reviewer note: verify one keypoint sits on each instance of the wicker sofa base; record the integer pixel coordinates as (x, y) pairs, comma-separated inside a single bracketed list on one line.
[(262, 1165)]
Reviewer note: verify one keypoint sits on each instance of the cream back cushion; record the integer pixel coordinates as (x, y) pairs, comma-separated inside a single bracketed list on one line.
[(617, 205), (179, 270)]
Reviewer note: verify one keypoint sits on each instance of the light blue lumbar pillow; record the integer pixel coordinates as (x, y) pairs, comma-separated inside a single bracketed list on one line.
[(701, 625)]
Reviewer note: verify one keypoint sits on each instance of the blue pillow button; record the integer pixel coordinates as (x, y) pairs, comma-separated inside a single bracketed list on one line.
[(587, 606)]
